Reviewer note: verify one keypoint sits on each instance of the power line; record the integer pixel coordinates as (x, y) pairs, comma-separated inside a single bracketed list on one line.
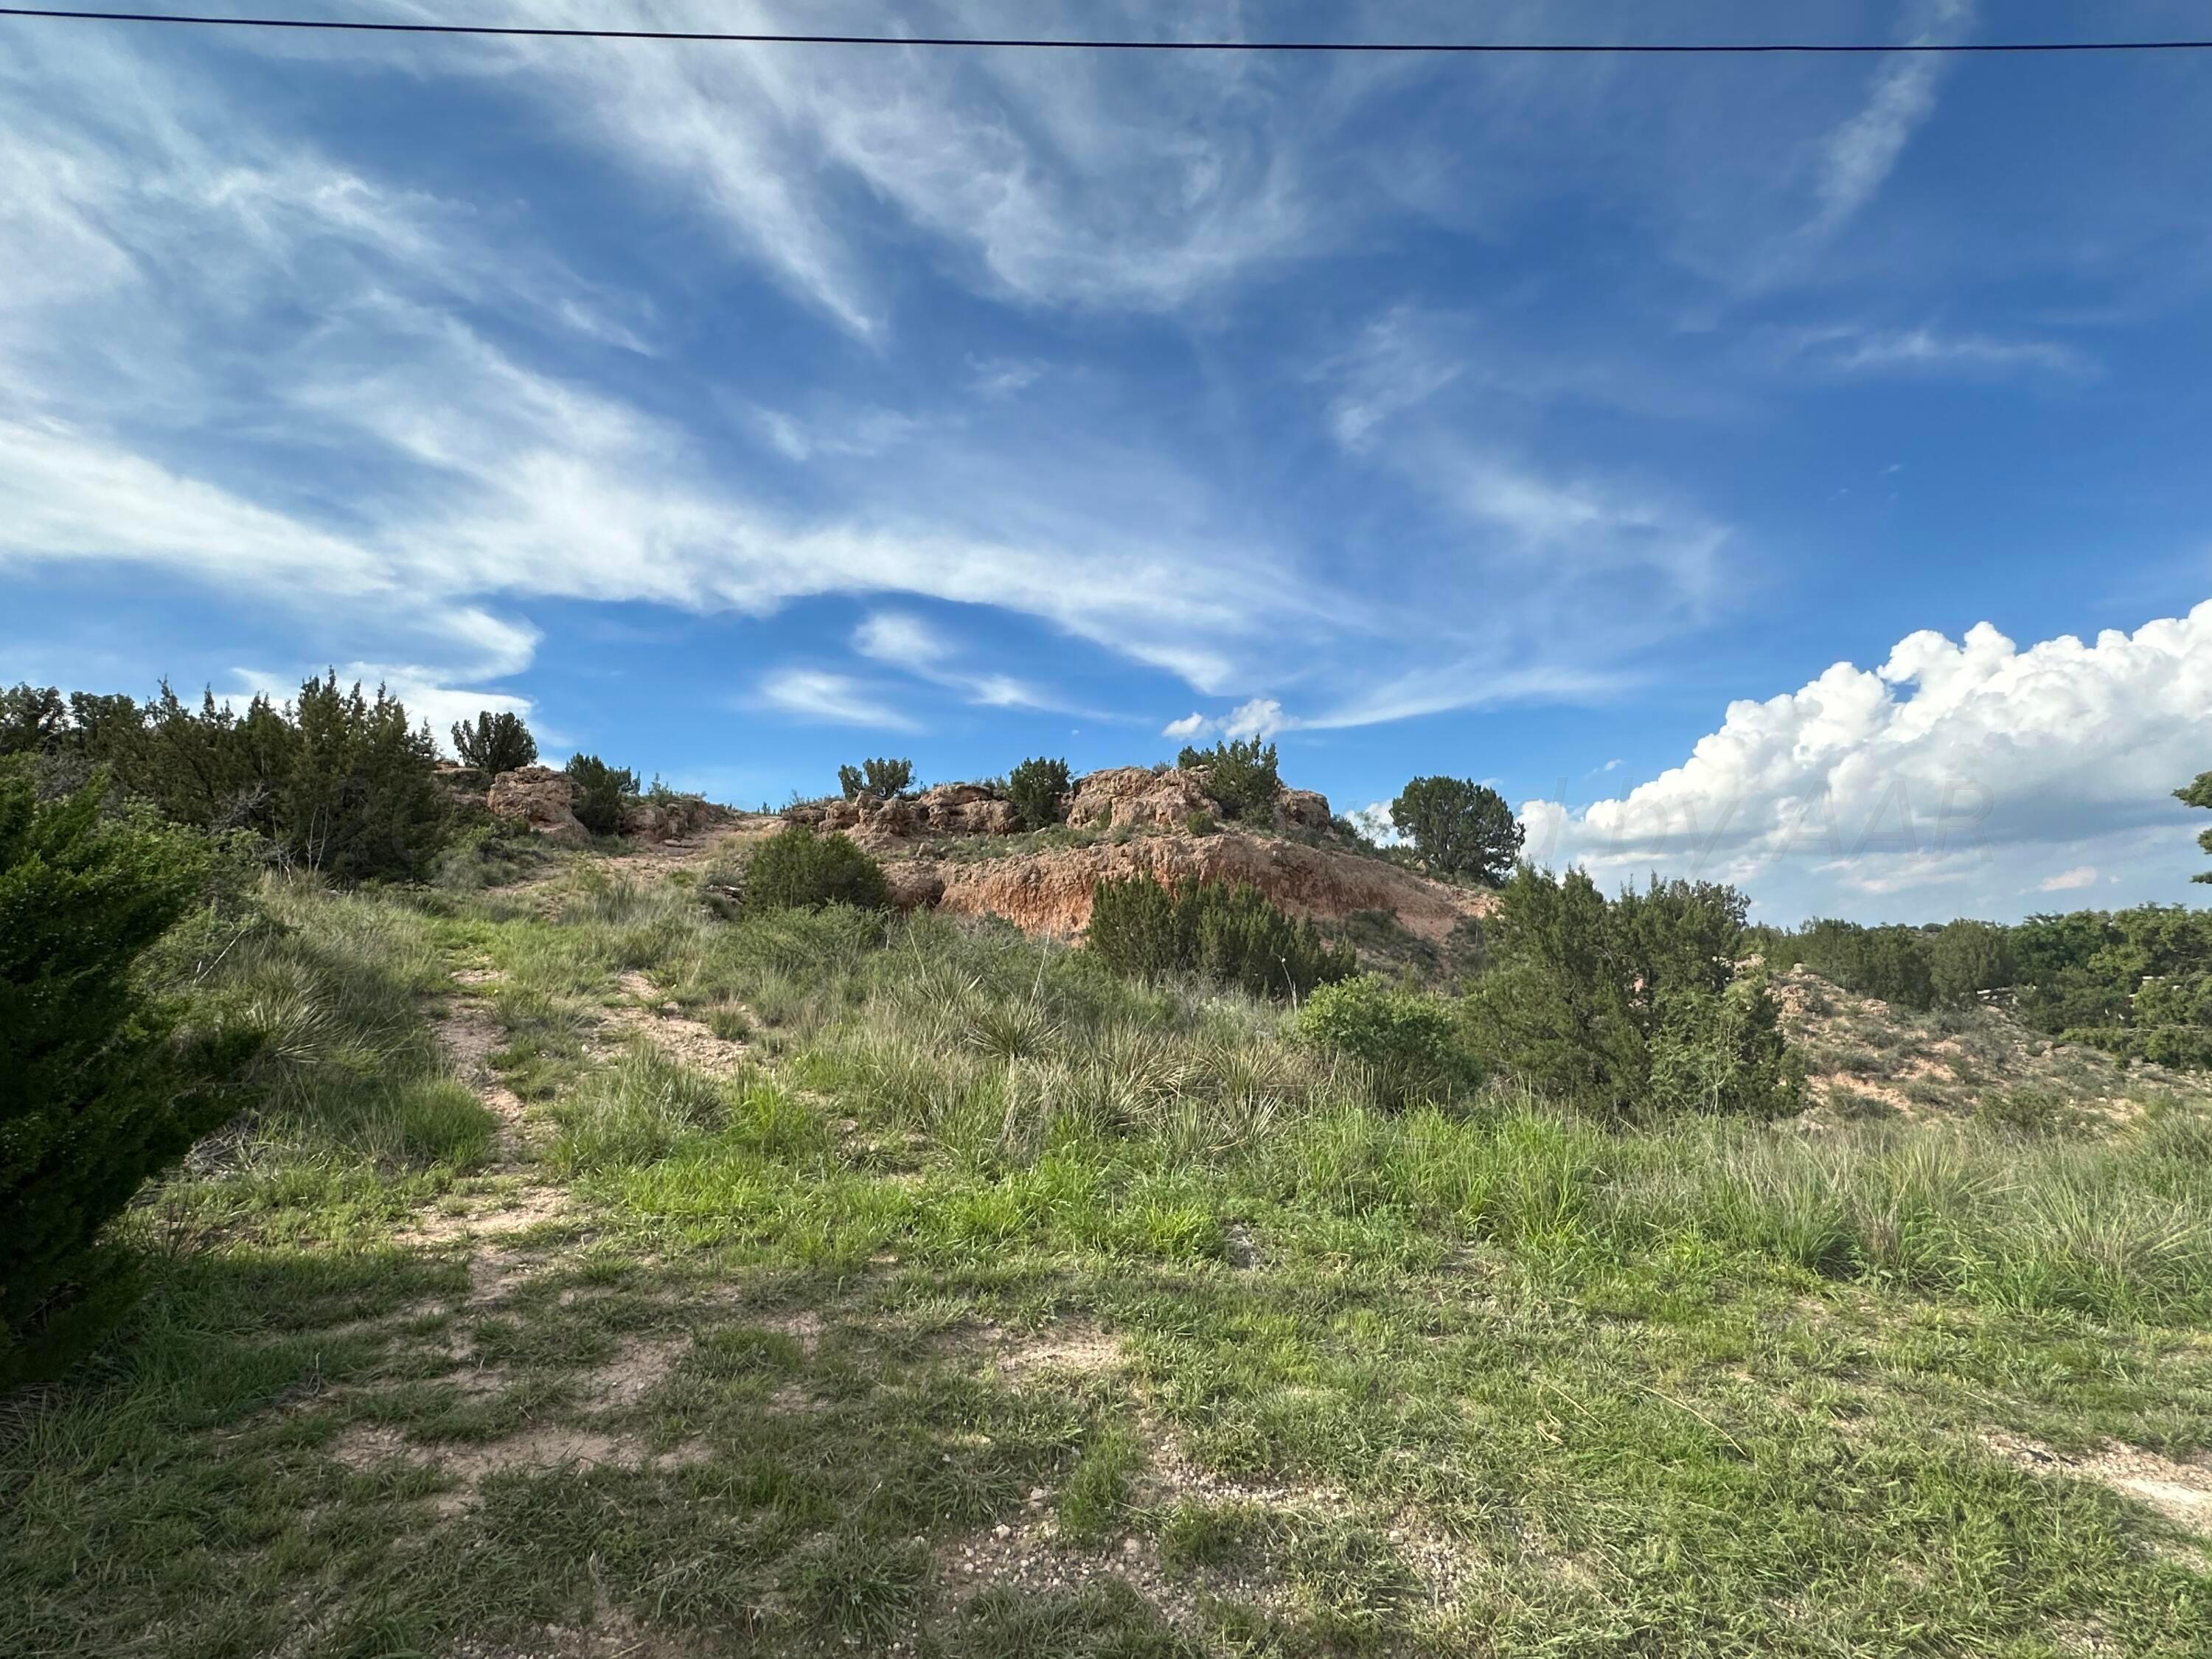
[(1489, 48)]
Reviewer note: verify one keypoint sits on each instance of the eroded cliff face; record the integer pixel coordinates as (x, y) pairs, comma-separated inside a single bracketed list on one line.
[(1116, 798), (1049, 892)]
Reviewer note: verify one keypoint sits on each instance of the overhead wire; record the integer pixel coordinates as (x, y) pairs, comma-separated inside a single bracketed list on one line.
[(1000, 43)]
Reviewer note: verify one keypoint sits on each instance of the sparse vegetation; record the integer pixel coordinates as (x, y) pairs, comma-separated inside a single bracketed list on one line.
[(2137, 983), (495, 742), (1240, 774), (1035, 790), (593, 1271)]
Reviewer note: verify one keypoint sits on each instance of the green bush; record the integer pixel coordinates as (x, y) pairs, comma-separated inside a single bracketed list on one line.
[(1225, 933), (1631, 1005), (2198, 792), (1240, 776), (599, 791), (1965, 957), (358, 799), (796, 869), (495, 743), (338, 781), (876, 780), (1405, 1037), (1033, 789), (1459, 827), (97, 1089), (1723, 1053)]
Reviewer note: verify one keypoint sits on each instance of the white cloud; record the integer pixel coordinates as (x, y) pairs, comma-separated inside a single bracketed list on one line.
[(1928, 350), (852, 433), (2066, 881), (1858, 156), (1260, 717), (1373, 821), (894, 637), (833, 699), (1047, 178), (1399, 364), (910, 643), (1005, 377), (1966, 764)]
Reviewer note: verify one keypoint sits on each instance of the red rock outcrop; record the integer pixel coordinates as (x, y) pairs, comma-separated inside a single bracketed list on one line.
[(542, 798), (1049, 892), (1137, 798)]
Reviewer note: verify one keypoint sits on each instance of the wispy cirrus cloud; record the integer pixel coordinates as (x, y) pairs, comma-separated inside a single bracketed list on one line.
[(832, 699), (1931, 351), (908, 643)]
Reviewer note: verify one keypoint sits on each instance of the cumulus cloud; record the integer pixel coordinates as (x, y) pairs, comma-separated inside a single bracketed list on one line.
[(2068, 881), (1952, 764), (1260, 717)]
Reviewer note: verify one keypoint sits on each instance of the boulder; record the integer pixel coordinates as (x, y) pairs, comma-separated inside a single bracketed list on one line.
[(541, 798), (913, 885), (1302, 809), (964, 809), (670, 817), (1138, 798)]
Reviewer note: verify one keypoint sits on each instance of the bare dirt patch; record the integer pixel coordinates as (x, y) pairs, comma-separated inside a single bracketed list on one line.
[(1075, 1346), (688, 1042), (638, 1370), (547, 1447), (803, 1328), (470, 1034), (612, 1635), (1027, 1552), (2180, 1492)]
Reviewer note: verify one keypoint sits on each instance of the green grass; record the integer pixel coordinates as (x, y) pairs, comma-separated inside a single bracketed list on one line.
[(1244, 1361)]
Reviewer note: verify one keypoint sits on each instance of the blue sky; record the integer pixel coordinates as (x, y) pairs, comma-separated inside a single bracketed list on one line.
[(1565, 424)]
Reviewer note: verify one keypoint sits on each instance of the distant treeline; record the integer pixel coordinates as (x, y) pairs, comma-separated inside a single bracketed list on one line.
[(336, 780), (2137, 983)]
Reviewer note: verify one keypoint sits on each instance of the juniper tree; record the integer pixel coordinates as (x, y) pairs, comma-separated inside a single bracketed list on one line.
[(2199, 793), (880, 779), (600, 791), (1033, 789), (97, 1090), (495, 742), (1459, 827)]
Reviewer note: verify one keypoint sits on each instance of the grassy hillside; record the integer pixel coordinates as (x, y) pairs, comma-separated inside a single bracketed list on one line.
[(603, 1276)]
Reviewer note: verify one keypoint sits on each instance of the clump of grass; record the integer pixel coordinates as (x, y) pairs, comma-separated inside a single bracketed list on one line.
[(1095, 1499), (634, 1112)]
